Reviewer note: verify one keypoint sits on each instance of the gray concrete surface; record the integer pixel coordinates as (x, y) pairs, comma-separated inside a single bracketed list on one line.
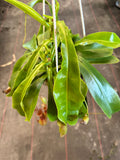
[(20, 140)]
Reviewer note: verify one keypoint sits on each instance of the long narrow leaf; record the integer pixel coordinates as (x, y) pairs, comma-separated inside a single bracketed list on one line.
[(94, 50), (84, 88), (97, 54), (104, 60), (25, 70), (17, 67), (67, 95), (52, 110), (20, 92), (30, 100), (28, 10), (34, 2), (108, 39), (100, 89)]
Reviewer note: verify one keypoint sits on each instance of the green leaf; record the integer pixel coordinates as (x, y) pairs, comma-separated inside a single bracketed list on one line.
[(16, 70), (75, 37), (48, 17), (108, 39), (40, 30), (31, 97), (26, 69), (20, 92), (44, 52), (96, 53), (52, 110), (84, 88), (100, 89), (43, 36), (28, 10), (57, 7), (34, 2), (17, 67), (94, 50), (104, 60), (67, 95), (32, 44), (83, 110)]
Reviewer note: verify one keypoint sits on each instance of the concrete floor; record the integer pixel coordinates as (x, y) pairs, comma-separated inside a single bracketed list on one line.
[(20, 140)]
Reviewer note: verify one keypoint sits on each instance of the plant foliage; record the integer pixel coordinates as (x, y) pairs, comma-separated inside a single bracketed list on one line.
[(67, 90)]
